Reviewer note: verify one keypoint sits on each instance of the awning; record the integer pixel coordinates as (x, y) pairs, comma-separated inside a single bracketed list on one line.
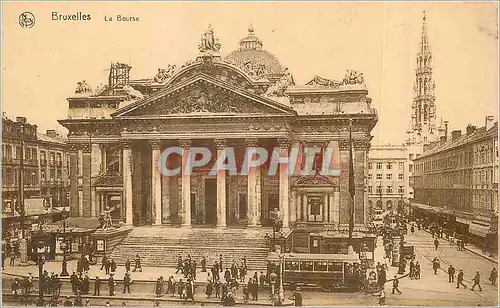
[(425, 207), (463, 220), (479, 229)]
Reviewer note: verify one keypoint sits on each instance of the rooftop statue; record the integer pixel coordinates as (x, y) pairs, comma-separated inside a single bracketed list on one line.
[(279, 88), (209, 42), (164, 74), (82, 87), (353, 77)]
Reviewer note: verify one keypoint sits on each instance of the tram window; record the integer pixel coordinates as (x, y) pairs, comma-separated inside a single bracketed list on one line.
[(320, 266), (334, 266), (306, 265), (291, 265)]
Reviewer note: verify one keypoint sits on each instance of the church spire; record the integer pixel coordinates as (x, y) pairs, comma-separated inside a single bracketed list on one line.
[(423, 127), (424, 39)]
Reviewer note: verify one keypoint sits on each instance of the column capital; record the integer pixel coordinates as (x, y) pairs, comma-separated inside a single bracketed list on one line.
[(126, 144), (185, 143), (284, 143), (86, 148), (74, 147), (155, 144), (220, 143), (252, 142)]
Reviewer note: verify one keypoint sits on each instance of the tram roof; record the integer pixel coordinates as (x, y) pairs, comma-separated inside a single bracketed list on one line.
[(315, 256)]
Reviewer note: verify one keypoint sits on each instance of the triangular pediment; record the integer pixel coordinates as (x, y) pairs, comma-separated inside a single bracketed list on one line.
[(203, 96)]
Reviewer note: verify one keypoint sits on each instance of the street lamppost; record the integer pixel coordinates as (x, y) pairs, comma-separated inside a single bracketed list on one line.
[(64, 246), (40, 240), (282, 265)]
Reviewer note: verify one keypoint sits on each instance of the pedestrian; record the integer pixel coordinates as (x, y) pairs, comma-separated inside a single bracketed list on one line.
[(12, 257), (127, 280), (68, 302), (227, 275), (493, 276), (435, 265), (159, 287), (189, 290), (436, 243), (203, 264), (451, 274), (87, 302), (127, 265), (97, 286), (103, 262), (412, 229), (217, 288), (16, 285), (297, 297), (74, 280), (113, 266), (412, 269), (417, 270), (209, 289), (381, 298), (460, 279), (107, 265), (180, 288), (179, 264), (111, 285), (246, 294), (476, 281), (86, 285), (220, 263), (395, 285)]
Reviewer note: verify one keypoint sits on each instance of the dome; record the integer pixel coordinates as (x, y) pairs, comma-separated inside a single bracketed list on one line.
[(251, 52)]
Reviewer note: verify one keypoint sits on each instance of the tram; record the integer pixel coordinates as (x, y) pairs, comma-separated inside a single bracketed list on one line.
[(328, 271)]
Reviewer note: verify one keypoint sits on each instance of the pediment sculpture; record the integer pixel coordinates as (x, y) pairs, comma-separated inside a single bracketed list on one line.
[(324, 82), (353, 77), (255, 71), (165, 73), (83, 88), (204, 102)]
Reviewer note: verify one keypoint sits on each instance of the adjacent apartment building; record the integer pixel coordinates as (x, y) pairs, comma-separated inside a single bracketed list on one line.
[(45, 165), (456, 182)]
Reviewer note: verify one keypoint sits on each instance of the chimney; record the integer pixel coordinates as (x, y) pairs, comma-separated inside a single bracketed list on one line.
[(446, 129), (442, 140), (51, 133), (22, 120), (470, 129), (456, 134), (488, 122)]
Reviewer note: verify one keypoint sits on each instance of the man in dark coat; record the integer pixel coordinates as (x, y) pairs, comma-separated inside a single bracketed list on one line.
[(395, 285), (138, 266), (159, 286), (451, 274), (85, 285), (203, 264), (111, 285), (227, 275), (476, 281), (460, 279), (220, 263), (73, 280), (97, 286), (127, 265), (126, 283)]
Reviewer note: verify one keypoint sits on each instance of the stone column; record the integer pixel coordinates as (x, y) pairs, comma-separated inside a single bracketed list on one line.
[(293, 207), (165, 182), (336, 206), (253, 202), (284, 185), (155, 182), (102, 206), (127, 182), (86, 181), (298, 205), (73, 181), (221, 186), (305, 207), (185, 184), (325, 208), (331, 207)]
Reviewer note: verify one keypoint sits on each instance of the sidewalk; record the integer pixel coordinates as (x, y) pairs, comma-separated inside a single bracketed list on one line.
[(148, 274), (471, 248)]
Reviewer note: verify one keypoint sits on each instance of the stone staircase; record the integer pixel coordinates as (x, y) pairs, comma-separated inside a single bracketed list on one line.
[(160, 246)]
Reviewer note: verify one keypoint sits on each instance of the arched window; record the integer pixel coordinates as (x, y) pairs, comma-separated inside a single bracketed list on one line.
[(389, 204), (379, 204)]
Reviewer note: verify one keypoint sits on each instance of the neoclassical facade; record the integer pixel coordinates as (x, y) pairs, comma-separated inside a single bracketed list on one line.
[(239, 102)]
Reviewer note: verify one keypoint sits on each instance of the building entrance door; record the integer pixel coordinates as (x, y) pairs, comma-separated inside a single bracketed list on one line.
[(210, 201)]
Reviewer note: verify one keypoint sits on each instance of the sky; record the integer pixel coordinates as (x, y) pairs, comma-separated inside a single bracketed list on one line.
[(42, 65)]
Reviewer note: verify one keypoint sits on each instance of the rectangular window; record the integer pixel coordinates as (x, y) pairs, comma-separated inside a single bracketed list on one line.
[(388, 176), (401, 165), (370, 189), (315, 203), (389, 166), (43, 156), (52, 174), (58, 158), (388, 189), (401, 189), (370, 165), (370, 176), (379, 176), (379, 189), (379, 166), (52, 158), (400, 176), (42, 175), (410, 168)]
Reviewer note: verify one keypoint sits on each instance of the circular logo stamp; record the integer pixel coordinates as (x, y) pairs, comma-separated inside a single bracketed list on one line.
[(26, 20)]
